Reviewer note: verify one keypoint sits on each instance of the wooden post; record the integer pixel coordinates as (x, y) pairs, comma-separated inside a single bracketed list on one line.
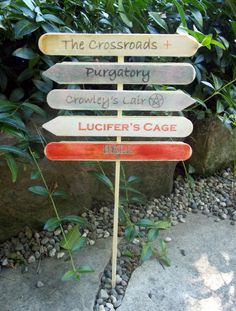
[(116, 199)]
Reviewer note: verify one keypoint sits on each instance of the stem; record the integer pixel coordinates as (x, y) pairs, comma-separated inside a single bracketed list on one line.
[(54, 207), (126, 191), (218, 91)]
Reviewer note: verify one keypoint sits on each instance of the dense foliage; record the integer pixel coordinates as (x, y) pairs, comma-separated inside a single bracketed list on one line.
[(23, 89)]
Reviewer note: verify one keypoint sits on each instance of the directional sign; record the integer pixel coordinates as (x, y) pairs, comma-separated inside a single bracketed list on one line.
[(125, 126), (115, 100), (118, 44), (125, 151), (128, 73)]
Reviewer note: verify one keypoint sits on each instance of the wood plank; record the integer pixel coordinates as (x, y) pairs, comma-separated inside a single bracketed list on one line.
[(113, 73), (164, 126), (112, 151), (118, 44), (115, 100)]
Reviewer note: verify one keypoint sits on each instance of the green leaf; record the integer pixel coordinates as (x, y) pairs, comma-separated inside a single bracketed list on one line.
[(145, 223), (133, 179), (15, 150), (42, 86), (218, 83), (130, 189), (219, 44), (79, 244), (130, 232), (85, 269), (39, 190), (123, 16), (6, 105), (75, 219), (146, 252), (51, 224), (4, 4), (181, 12), (24, 53), (219, 107), (103, 178), (35, 175), (25, 75), (152, 234), (162, 224), (60, 194), (208, 84), (34, 108), (17, 94), (30, 4), (53, 18), (160, 21), (198, 17), (207, 41), (73, 241), (12, 166), (69, 275), (24, 27)]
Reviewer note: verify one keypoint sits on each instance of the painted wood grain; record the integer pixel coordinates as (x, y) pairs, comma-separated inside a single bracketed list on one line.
[(114, 73), (164, 126), (115, 100), (110, 151), (118, 44)]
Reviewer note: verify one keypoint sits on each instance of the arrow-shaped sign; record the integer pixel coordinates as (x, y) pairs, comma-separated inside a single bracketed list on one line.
[(119, 100), (114, 73), (125, 126), (118, 44), (125, 151)]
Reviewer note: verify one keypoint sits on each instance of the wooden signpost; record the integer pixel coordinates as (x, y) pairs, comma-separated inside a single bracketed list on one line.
[(119, 73), (113, 73), (115, 100), (125, 126), (111, 151), (118, 44)]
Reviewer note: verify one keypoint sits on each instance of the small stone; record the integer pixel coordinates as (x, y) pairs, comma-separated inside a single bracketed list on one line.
[(31, 259), (113, 299), (39, 284), (117, 304), (232, 223), (182, 220), (28, 233), (136, 241), (167, 239), (57, 232), (118, 279), (234, 217), (37, 235), (103, 294), (5, 262), (19, 247), (223, 216), (60, 255), (106, 234), (110, 306), (52, 252), (37, 255), (100, 301), (101, 308), (52, 241), (45, 241), (91, 242)]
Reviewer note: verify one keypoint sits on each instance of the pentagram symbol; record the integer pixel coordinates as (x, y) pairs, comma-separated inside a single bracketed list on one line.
[(156, 100)]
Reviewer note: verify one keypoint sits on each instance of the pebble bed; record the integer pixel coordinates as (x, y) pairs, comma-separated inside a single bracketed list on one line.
[(213, 196)]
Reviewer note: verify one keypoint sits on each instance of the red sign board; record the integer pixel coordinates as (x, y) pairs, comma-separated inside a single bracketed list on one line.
[(112, 151)]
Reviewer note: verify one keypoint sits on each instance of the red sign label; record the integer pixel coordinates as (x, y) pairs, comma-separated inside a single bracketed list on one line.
[(125, 151)]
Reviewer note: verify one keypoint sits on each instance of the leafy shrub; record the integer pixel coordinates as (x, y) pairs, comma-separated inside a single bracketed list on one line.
[(23, 89)]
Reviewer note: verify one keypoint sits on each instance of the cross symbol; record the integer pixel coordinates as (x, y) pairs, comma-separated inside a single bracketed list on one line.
[(167, 44)]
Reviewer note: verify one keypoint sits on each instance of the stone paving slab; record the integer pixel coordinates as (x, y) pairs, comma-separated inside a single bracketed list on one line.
[(202, 276), (18, 292)]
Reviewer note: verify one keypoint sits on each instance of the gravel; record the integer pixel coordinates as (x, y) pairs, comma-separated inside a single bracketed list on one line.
[(212, 196)]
